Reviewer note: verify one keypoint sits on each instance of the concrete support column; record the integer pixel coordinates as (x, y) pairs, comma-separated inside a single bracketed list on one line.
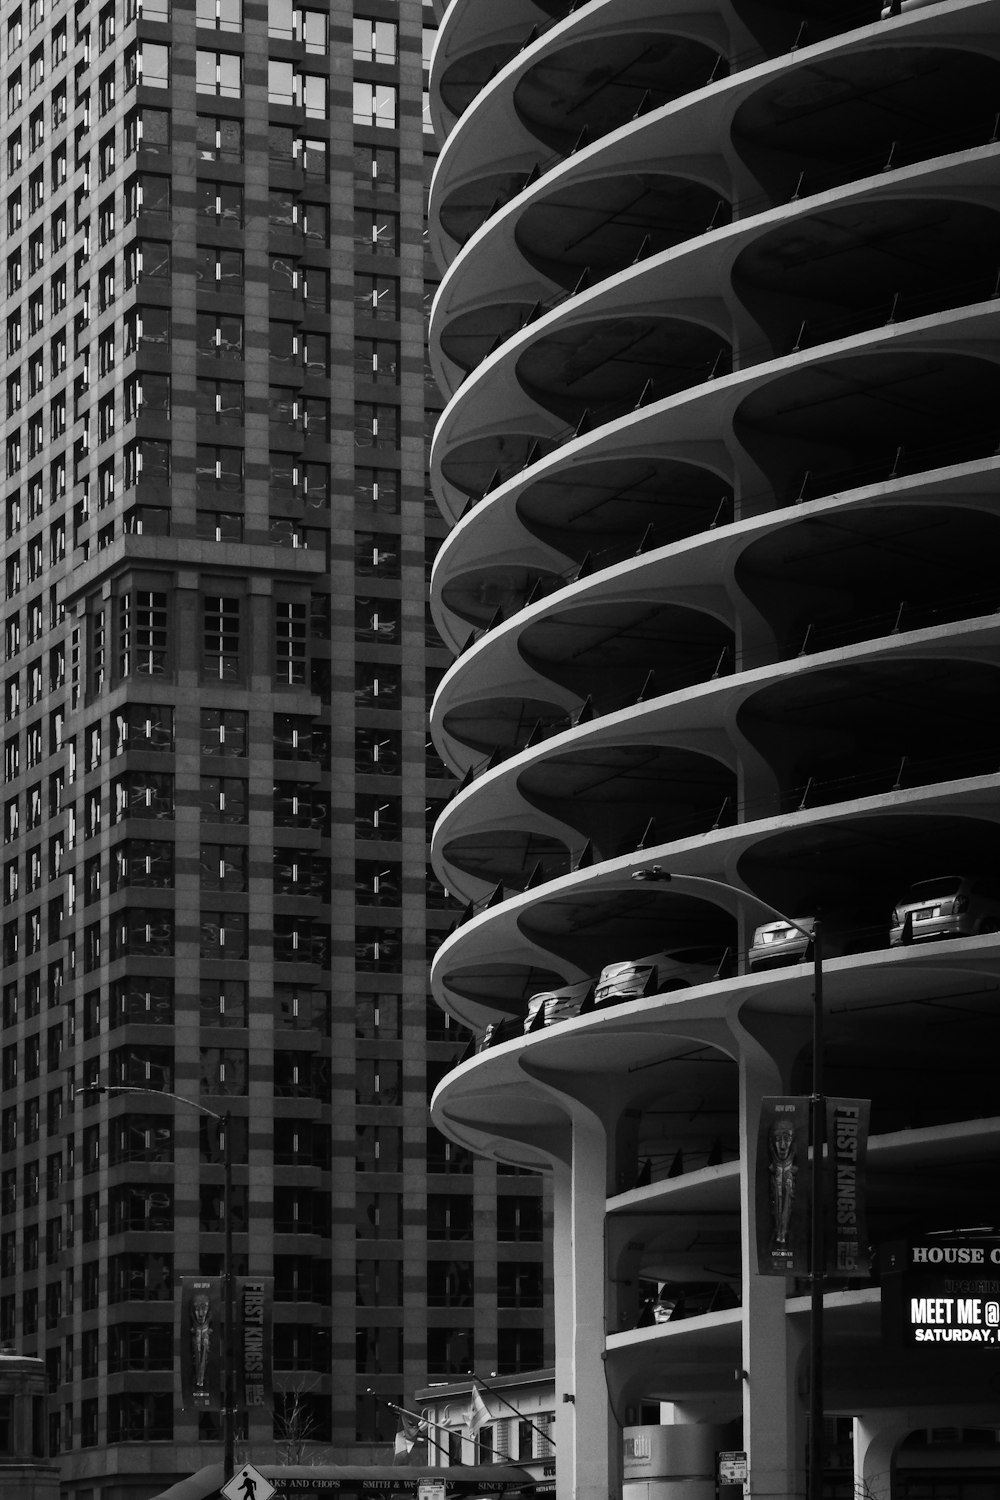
[(877, 1435), (588, 1438), (773, 1426)]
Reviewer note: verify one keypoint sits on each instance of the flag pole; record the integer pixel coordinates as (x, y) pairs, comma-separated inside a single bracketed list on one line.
[(404, 1411), (500, 1397)]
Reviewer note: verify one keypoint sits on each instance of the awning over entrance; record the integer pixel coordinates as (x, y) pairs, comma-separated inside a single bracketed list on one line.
[(357, 1482)]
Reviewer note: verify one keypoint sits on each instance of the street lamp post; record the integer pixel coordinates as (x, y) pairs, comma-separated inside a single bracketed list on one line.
[(817, 1249), (228, 1280)]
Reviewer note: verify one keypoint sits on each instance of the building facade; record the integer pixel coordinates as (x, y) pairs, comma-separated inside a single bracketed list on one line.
[(717, 325), (217, 777)]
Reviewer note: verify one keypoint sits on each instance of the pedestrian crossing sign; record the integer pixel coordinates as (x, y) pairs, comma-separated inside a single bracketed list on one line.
[(248, 1484)]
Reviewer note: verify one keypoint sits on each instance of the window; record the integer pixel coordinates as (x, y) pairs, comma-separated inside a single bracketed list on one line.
[(223, 15), (142, 933), (376, 232), (223, 1002), (219, 73), (219, 139), (219, 270), (281, 82), (376, 297), (142, 633), (375, 41), (223, 867), (221, 402), (153, 65), (449, 1283), (450, 1351), (224, 935), (223, 799), (147, 727), (519, 1284), (220, 335), (143, 1001), (142, 862), (290, 649), (221, 638), (223, 732), (314, 95), (219, 468), (376, 426), (148, 193), (519, 1218), (147, 261), (377, 490), (314, 28), (375, 104)]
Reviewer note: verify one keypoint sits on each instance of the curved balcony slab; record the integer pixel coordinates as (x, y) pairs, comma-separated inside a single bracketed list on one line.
[(890, 840), (704, 720), (494, 404)]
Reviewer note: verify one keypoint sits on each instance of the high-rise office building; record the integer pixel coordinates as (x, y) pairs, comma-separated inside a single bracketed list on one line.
[(718, 325), (217, 783)]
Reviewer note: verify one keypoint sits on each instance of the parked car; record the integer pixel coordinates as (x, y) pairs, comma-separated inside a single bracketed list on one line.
[(556, 1005), (776, 944), (948, 906), (677, 1300), (499, 1031), (657, 974)]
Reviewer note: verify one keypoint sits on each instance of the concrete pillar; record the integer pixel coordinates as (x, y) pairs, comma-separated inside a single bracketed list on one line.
[(877, 1435), (588, 1438), (773, 1426)]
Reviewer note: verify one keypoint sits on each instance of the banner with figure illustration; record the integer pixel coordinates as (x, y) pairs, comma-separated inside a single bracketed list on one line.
[(782, 1187), (202, 1320)]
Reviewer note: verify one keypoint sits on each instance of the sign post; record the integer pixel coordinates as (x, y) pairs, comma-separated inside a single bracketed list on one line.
[(248, 1483), (733, 1467)]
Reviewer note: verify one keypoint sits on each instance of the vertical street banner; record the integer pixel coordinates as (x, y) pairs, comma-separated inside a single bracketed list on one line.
[(202, 1320), (845, 1227), (254, 1308), (782, 1187)]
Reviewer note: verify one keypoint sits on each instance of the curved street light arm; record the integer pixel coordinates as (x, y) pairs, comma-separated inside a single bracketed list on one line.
[(817, 1250), (229, 1283)]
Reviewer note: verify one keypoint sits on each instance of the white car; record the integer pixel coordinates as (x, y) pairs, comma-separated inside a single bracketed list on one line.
[(657, 974), (556, 1005)]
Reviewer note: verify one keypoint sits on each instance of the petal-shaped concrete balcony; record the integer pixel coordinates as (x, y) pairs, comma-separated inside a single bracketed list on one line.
[(632, 646), (703, 801), (877, 726), (603, 801), (588, 517), (529, 663), (593, 84), (609, 365), (868, 859), (886, 105), (835, 386), (792, 263), (604, 224), (856, 264), (898, 567)]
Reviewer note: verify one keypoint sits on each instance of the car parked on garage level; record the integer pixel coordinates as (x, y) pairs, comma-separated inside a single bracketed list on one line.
[(785, 941), (778, 943), (550, 1006), (947, 906), (658, 974)]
